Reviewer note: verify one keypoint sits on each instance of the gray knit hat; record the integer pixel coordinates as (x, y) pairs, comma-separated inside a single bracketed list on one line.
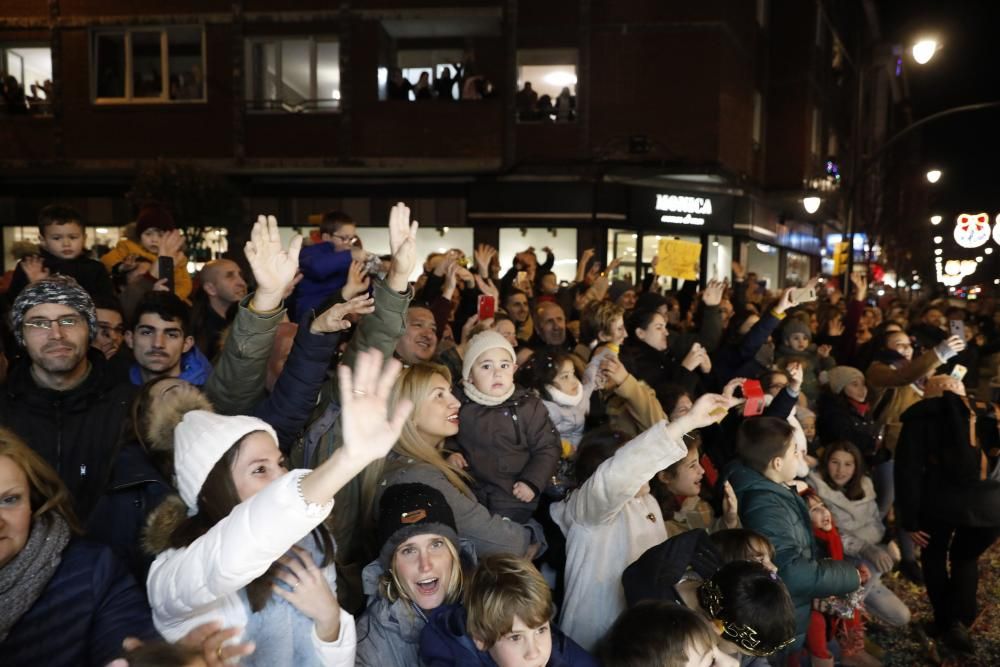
[(59, 289), (794, 325), (841, 376)]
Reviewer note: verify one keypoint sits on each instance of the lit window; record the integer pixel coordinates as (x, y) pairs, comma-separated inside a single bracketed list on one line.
[(422, 74), (294, 74), (137, 65), (546, 85), (31, 67)]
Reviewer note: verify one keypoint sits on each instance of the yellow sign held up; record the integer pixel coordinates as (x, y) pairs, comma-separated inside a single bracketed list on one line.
[(840, 253), (678, 259)]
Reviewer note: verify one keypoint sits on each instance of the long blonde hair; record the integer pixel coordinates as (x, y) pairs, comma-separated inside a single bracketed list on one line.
[(392, 588), (414, 383)]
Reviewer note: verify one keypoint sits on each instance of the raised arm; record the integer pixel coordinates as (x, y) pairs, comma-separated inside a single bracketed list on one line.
[(237, 383)]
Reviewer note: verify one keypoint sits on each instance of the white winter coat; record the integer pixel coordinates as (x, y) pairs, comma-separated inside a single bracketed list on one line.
[(607, 528), (203, 582)]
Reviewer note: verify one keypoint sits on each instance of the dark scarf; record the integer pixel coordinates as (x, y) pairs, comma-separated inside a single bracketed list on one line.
[(24, 578)]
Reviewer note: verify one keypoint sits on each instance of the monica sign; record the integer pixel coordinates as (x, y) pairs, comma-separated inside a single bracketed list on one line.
[(683, 210)]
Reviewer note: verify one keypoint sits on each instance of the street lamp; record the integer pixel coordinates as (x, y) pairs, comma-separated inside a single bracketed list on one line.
[(935, 219), (934, 175), (811, 204), (938, 239), (924, 50)]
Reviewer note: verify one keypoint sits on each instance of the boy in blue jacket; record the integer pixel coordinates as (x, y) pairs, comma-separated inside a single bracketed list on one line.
[(506, 620), (324, 265), (760, 478)]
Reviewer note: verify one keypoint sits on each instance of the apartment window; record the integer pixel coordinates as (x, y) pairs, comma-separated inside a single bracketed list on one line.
[(31, 67), (422, 74), (296, 74), (546, 85), (148, 65)]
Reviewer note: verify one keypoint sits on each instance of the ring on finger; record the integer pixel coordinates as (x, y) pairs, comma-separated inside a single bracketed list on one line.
[(218, 652), (359, 392)]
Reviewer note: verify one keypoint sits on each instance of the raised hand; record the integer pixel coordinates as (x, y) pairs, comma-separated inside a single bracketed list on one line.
[(707, 410), (34, 268), (823, 351), (170, 245), (484, 255), (860, 282), (835, 327), (470, 324), (357, 281), (738, 272), (310, 592), (614, 264), (795, 375), (693, 359), (730, 506), (712, 296), (731, 387), (613, 371), (785, 302), (334, 318), (369, 431), (403, 245), (274, 267)]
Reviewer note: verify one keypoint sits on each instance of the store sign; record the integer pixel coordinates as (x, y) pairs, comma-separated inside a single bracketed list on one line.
[(683, 210)]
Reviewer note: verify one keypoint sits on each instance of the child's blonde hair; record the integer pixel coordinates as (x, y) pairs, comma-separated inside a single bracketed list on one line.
[(598, 319), (505, 586)]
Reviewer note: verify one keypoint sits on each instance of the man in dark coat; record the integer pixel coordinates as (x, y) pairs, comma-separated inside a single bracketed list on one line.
[(945, 501), (61, 400)]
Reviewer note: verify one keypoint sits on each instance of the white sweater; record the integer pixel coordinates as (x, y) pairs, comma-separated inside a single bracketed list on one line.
[(607, 528), (203, 582)]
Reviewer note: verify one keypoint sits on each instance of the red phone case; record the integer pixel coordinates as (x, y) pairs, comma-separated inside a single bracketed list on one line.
[(754, 394), (487, 307)]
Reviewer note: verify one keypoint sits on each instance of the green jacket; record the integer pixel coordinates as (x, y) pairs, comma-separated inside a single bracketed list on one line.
[(236, 384), (778, 513), (350, 521)]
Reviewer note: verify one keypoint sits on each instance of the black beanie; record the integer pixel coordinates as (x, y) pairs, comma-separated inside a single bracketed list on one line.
[(406, 510)]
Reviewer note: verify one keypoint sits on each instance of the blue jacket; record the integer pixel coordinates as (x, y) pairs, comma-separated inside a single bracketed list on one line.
[(444, 642), (195, 368), (290, 404), (780, 515), (136, 488), (91, 604), (324, 271)]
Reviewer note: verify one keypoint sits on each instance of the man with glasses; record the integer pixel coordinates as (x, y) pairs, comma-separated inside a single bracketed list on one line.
[(325, 265), (60, 397)]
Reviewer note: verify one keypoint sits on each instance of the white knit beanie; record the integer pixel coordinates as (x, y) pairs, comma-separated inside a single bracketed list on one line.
[(200, 440), (486, 340)]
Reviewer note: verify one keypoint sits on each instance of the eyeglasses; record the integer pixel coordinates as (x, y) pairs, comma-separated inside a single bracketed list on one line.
[(345, 239), (64, 322)]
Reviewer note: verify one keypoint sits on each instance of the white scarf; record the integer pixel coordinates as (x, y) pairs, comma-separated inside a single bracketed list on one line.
[(485, 399), (563, 399)]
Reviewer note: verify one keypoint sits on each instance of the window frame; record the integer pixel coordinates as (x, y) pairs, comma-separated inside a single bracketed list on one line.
[(309, 105), (43, 109), (548, 57), (129, 98)]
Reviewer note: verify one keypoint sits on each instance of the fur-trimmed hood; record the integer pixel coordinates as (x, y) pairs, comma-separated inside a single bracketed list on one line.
[(167, 412), (161, 524)]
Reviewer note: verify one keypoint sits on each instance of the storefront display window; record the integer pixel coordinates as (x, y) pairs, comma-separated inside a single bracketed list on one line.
[(762, 259), (720, 257), (624, 244)]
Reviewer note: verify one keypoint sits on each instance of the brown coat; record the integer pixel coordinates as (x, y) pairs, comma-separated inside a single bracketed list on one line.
[(893, 391)]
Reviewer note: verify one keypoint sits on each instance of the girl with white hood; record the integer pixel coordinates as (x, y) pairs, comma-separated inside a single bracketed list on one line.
[(248, 548)]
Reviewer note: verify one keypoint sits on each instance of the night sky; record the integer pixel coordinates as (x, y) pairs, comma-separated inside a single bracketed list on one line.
[(966, 147)]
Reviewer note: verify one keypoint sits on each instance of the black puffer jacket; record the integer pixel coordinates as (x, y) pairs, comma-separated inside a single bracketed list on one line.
[(75, 431), (837, 420)]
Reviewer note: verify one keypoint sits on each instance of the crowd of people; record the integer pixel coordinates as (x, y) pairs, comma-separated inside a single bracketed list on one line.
[(323, 462)]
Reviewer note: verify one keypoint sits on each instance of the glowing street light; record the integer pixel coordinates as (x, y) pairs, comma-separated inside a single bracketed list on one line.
[(811, 204), (938, 251), (924, 50), (934, 175), (935, 219), (988, 250), (938, 239)]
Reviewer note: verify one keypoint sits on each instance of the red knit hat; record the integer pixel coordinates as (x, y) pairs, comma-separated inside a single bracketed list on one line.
[(154, 216)]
